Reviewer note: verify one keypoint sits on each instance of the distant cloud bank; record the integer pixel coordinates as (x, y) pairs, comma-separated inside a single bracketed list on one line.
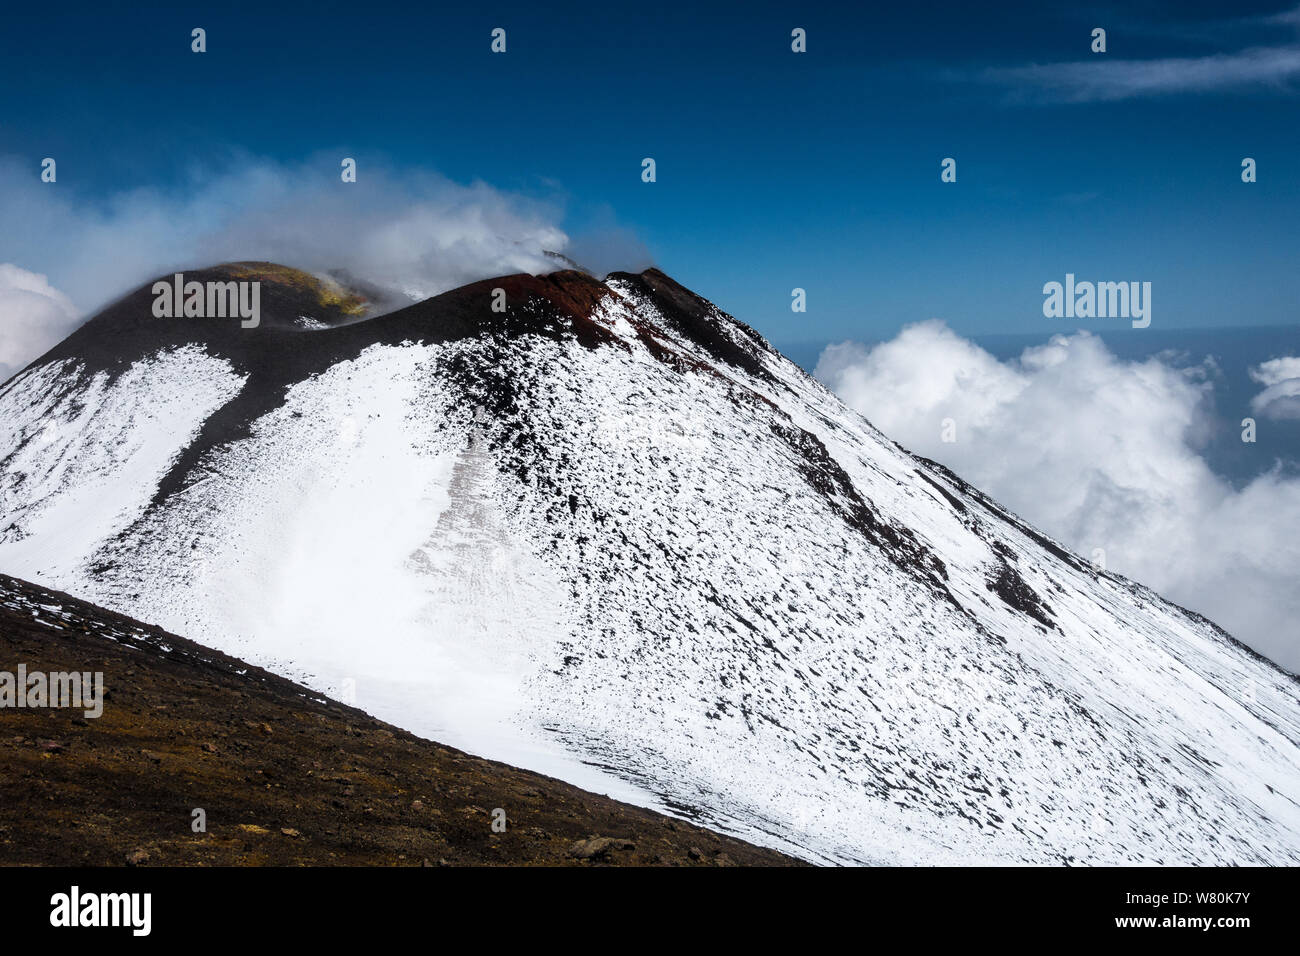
[(1280, 398), (1099, 453), (33, 317)]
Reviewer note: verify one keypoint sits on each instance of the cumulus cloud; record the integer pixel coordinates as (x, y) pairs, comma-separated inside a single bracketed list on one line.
[(1280, 398), (1100, 453), (34, 316), (412, 233)]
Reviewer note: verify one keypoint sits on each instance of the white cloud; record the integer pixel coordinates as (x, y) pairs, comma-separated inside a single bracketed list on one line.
[(1287, 18), (34, 316), (1103, 79), (1280, 399), (1100, 453)]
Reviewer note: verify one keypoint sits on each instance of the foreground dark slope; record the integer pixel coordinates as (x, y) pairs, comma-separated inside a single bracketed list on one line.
[(285, 776)]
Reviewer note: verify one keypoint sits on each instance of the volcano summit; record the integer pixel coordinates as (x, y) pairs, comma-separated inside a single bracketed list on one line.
[(612, 535)]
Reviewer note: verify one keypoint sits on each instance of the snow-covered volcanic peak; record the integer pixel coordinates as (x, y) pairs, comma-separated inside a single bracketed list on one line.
[(612, 535)]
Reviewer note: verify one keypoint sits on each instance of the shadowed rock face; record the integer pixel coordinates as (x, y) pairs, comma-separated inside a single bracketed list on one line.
[(291, 301), (286, 777)]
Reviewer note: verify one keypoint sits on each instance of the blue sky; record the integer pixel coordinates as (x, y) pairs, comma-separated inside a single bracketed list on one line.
[(775, 170)]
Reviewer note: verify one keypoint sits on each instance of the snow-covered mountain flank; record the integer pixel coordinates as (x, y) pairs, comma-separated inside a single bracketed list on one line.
[(612, 535)]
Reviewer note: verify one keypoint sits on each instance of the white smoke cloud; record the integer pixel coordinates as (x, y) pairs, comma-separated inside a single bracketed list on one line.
[(412, 233), (34, 316), (1099, 453), (1280, 398)]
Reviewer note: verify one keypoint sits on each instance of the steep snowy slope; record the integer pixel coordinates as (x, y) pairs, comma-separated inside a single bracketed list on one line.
[(610, 534)]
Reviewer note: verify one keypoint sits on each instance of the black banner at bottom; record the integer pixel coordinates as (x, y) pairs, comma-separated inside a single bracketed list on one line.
[(331, 906)]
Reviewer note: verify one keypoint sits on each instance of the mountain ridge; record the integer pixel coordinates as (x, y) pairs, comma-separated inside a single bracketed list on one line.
[(611, 534)]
